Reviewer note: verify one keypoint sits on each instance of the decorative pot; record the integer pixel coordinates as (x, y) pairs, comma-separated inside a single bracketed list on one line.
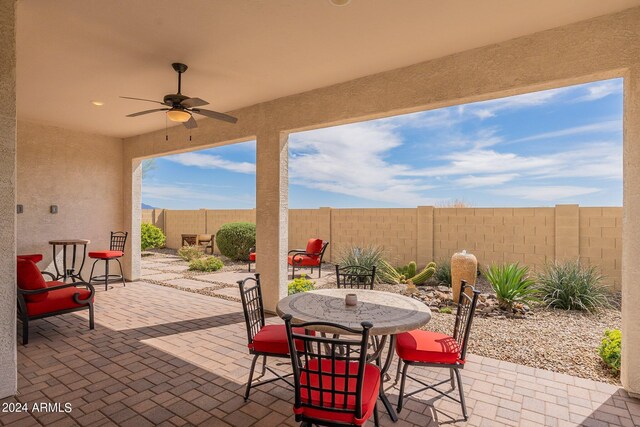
[(351, 299), (464, 266)]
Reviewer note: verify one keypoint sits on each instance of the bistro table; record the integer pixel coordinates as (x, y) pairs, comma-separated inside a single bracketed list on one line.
[(68, 271), (389, 313)]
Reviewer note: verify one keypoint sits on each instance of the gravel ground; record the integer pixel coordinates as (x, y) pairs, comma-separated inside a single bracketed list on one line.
[(557, 340)]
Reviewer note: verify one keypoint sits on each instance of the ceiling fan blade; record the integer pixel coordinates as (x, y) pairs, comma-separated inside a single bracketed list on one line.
[(140, 113), (193, 102), (215, 115), (141, 99), (191, 123)]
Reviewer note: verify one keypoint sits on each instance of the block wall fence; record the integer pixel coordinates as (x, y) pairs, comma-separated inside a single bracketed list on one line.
[(530, 236)]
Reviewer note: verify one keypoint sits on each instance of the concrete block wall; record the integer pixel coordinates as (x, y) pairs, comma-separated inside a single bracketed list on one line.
[(530, 236)]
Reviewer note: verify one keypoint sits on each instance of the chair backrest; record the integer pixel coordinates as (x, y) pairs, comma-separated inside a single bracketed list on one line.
[(314, 247), (29, 278), (251, 296), (466, 309), (355, 277), (118, 241), (342, 359)]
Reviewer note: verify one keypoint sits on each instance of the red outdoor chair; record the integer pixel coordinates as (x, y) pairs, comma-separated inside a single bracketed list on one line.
[(252, 258), (115, 252), (38, 299), (309, 257), (334, 384), (263, 340), (435, 350), (35, 258)]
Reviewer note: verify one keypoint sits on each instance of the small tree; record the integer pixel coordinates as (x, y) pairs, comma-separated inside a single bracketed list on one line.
[(151, 237), (235, 239)]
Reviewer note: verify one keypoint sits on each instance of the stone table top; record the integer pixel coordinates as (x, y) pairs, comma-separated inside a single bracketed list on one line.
[(388, 312), (70, 242)]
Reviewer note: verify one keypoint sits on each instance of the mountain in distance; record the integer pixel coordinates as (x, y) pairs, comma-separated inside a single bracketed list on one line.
[(146, 206)]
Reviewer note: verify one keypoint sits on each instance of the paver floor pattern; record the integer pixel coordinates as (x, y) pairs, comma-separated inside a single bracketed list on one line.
[(162, 356)]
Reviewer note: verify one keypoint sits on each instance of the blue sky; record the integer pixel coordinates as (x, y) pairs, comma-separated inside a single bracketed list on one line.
[(538, 149)]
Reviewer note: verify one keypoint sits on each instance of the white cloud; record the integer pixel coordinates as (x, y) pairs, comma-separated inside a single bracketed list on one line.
[(600, 90), (545, 193), (472, 181), (210, 161), (606, 126)]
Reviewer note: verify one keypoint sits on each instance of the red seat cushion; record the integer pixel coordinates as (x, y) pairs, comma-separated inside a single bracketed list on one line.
[(303, 260), (314, 246), (105, 254), (57, 300), (428, 347), (252, 256), (29, 278), (273, 339), (370, 389), (36, 258)]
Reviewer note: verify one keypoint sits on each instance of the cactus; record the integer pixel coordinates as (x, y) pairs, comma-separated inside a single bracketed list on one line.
[(405, 274), (412, 269), (424, 275), (387, 273)]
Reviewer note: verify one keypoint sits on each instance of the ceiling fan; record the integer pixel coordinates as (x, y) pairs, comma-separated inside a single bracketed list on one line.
[(181, 106)]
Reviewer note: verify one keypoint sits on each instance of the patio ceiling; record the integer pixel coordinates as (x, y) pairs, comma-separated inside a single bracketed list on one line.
[(240, 53)]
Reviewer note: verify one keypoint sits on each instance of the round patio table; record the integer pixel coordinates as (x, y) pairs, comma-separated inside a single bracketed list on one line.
[(389, 313), (68, 271)]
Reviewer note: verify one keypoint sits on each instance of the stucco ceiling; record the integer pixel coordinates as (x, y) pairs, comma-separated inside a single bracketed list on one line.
[(242, 52)]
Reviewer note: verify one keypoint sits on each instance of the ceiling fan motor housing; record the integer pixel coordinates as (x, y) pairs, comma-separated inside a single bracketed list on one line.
[(174, 99)]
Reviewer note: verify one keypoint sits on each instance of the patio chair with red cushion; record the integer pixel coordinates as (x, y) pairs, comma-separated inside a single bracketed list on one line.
[(334, 384), (309, 257), (263, 340), (38, 298), (115, 252), (252, 258), (435, 350)]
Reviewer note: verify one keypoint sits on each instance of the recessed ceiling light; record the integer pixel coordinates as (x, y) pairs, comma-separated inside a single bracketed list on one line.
[(97, 103), (339, 2)]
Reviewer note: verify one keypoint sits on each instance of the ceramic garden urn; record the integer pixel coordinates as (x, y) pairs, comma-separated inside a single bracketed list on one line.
[(464, 266)]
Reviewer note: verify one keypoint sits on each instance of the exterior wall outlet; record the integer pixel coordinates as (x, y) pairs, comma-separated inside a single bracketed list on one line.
[(19, 209), (53, 209)]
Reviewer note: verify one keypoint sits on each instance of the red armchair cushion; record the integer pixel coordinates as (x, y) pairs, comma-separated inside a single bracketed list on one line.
[(252, 256), (30, 279), (428, 347), (314, 246), (304, 260), (273, 339), (370, 388), (36, 258), (58, 300), (105, 254)]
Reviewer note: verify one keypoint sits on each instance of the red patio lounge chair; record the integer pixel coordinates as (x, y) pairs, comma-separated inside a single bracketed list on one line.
[(310, 257), (38, 299)]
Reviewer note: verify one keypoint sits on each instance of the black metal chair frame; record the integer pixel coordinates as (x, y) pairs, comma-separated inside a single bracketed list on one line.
[(355, 277), (25, 318), (349, 346), (117, 243), (461, 330), (302, 252), (253, 309)]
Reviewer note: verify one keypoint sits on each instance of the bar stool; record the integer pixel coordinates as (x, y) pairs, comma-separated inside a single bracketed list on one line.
[(115, 252)]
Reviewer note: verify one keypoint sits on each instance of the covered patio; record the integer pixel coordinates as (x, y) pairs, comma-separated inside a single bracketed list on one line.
[(161, 355)]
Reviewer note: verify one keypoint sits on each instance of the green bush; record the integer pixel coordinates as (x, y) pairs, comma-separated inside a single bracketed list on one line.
[(570, 286), (609, 350), (512, 284), (445, 310), (209, 263), (366, 257), (151, 237), (443, 272), (235, 239), (189, 253), (300, 284)]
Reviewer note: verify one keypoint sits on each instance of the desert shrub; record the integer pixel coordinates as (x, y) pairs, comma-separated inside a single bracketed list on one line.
[(570, 286), (209, 263), (445, 310), (364, 257), (189, 253), (442, 274), (300, 284), (610, 348), (151, 236), (235, 239), (512, 284)]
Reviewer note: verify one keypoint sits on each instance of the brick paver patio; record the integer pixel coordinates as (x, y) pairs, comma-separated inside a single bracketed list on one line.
[(162, 356)]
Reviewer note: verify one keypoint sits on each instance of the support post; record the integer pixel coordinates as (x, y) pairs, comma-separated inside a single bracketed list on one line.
[(272, 215), (132, 217)]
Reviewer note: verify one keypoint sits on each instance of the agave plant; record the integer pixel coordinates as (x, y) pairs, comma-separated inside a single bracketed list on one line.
[(512, 284), (367, 257)]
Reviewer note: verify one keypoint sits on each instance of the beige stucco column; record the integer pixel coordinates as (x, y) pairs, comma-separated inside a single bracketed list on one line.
[(272, 215), (132, 194), (631, 242), (8, 357)]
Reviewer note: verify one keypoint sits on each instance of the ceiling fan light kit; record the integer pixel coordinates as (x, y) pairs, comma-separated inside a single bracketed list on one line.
[(181, 107)]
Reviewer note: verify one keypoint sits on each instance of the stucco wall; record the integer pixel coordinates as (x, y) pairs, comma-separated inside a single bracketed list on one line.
[(81, 174)]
